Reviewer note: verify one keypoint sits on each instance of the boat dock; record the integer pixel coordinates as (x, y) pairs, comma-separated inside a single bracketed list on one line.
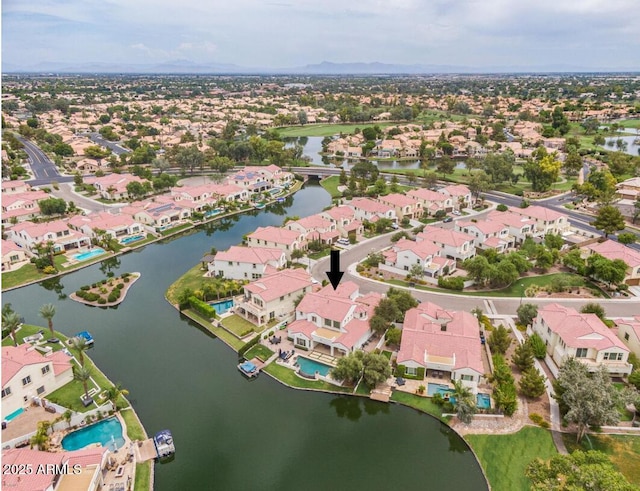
[(145, 450)]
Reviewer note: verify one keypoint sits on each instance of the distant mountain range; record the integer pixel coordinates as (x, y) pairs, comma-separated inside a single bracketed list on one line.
[(324, 68)]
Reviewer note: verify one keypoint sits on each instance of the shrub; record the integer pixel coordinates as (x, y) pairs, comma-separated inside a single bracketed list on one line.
[(539, 420), (126, 280), (437, 399), (104, 282), (112, 297), (202, 307), (80, 293), (119, 286), (125, 275), (94, 285), (538, 346), (454, 283), (634, 379), (49, 270), (255, 340), (102, 301), (85, 287)]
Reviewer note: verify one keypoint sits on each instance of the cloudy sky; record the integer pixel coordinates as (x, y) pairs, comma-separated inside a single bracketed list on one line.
[(263, 33)]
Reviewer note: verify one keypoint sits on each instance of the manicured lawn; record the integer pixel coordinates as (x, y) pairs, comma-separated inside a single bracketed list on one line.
[(27, 330), (387, 354), (223, 334), (290, 378), (505, 457), (143, 477), (424, 404), (173, 230), (318, 255), (259, 351), (330, 184), (134, 430), (326, 129), (195, 280), (238, 326), (363, 389), (623, 450), (29, 272)]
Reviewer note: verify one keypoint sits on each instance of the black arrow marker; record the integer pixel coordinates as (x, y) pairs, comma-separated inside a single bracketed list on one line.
[(335, 275)]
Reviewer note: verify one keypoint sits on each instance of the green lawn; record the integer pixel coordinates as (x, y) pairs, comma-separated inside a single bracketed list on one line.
[(143, 477), (233, 341), (363, 389), (173, 230), (330, 184), (195, 280), (289, 377), (259, 351), (29, 272), (135, 431), (239, 326), (424, 404), (623, 450), (505, 457), (327, 129), (27, 330)]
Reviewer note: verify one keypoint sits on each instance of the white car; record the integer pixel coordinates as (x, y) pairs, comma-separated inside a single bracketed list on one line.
[(343, 242), (455, 212)]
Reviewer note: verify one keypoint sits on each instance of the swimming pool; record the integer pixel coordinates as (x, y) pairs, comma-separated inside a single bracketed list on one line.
[(107, 432), (483, 401), (223, 306), (211, 213), (14, 414), (83, 256), (128, 240), (433, 389), (310, 367)]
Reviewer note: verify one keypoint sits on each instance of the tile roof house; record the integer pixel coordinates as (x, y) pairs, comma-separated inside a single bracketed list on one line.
[(489, 234), (520, 227), (28, 235), (26, 374), (405, 206), (12, 255), (345, 219), (18, 207), (547, 221), (629, 333), (371, 210), (158, 214), (454, 245), (441, 340), (280, 238), (272, 297), (432, 201), (615, 250), (404, 254), (15, 187), (337, 319), (114, 186), (55, 471), (315, 227), (240, 263), (569, 333), (115, 226), (460, 195)]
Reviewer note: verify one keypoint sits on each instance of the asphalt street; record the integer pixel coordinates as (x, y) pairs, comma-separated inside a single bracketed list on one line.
[(44, 170)]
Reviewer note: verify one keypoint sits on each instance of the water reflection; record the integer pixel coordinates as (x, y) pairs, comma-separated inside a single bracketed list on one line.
[(54, 285), (456, 444), (347, 406)]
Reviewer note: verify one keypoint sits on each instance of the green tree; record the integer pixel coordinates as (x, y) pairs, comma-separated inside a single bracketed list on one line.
[(627, 238), (11, 321), (376, 369), (446, 165), (80, 344), (526, 313), (609, 220), (499, 340), (52, 206), (48, 311), (115, 392), (465, 402), (607, 270), (393, 336), (542, 173), (594, 308), (523, 357), (378, 324), (591, 470), (403, 299), (554, 241), (499, 166), (83, 375), (573, 259), (538, 346), (572, 163), (532, 383), (478, 269), (634, 379), (388, 310), (349, 368)]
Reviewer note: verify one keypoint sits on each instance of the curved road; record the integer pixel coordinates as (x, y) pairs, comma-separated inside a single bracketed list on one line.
[(504, 305), (44, 170)]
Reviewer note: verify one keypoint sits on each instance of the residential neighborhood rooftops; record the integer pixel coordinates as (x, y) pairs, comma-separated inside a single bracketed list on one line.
[(275, 234), (255, 255), (279, 284), (615, 250), (14, 358)]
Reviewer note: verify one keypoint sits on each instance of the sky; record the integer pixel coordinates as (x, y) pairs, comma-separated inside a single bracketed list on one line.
[(273, 34)]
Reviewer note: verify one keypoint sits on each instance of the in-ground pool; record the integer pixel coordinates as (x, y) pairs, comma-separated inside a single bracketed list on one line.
[(310, 367), (433, 389), (107, 432), (213, 212), (14, 414), (83, 256), (483, 401), (222, 306), (128, 240)]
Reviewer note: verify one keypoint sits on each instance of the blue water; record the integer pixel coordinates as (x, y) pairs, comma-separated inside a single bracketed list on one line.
[(310, 367), (14, 414), (83, 256), (483, 401), (433, 389), (128, 240), (223, 306), (211, 213), (107, 432)]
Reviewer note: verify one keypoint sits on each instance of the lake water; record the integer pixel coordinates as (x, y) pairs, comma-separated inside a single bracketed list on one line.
[(231, 433), (632, 147)]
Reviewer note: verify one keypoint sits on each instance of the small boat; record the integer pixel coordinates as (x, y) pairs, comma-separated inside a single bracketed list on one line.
[(248, 369), (259, 206), (88, 338), (280, 200), (163, 442)]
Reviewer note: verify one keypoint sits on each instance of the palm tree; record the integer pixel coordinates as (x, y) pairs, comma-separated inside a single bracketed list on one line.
[(79, 343), (67, 417), (83, 374), (465, 405), (11, 321), (48, 310), (114, 393), (41, 438)]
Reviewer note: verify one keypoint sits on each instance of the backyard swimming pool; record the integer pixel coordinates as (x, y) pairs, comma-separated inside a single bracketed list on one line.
[(107, 432), (83, 256), (483, 401), (223, 306), (433, 389), (14, 414), (310, 367), (128, 240)]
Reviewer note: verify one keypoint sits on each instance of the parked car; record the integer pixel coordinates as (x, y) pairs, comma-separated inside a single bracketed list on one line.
[(343, 242), (455, 212), (447, 220), (394, 226)]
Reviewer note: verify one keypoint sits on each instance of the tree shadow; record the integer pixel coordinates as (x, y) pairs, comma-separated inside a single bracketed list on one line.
[(348, 407)]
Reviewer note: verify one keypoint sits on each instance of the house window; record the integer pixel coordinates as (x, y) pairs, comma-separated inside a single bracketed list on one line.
[(336, 324), (301, 342), (327, 322), (282, 298), (549, 331), (272, 315), (626, 336), (26, 380), (254, 266), (6, 392), (469, 378), (613, 356), (40, 389), (45, 369), (581, 352), (411, 371)]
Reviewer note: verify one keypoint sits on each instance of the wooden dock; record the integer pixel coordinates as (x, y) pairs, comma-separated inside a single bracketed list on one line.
[(145, 450)]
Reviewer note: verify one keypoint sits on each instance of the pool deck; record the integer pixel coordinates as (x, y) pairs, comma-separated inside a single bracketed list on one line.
[(26, 422), (145, 450)]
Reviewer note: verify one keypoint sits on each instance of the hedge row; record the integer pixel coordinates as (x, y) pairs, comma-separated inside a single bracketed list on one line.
[(202, 308), (451, 283), (401, 372), (254, 340)]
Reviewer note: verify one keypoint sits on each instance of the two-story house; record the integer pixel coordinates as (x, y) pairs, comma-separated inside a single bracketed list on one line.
[(488, 234), (29, 235), (242, 263), (371, 210), (273, 297), (546, 221), (405, 206), (629, 333), (569, 333), (280, 238), (615, 250), (345, 219), (460, 195), (432, 201), (454, 245), (404, 254), (315, 228), (12, 256)]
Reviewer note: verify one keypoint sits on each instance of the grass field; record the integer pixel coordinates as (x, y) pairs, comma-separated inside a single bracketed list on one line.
[(29, 272), (233, 341), (134, 430), (143, 477), (330, 184), (326, 129), (259, 351), (505, 457), (238, 325), (290, 378), (420, 403), (623, 450)]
